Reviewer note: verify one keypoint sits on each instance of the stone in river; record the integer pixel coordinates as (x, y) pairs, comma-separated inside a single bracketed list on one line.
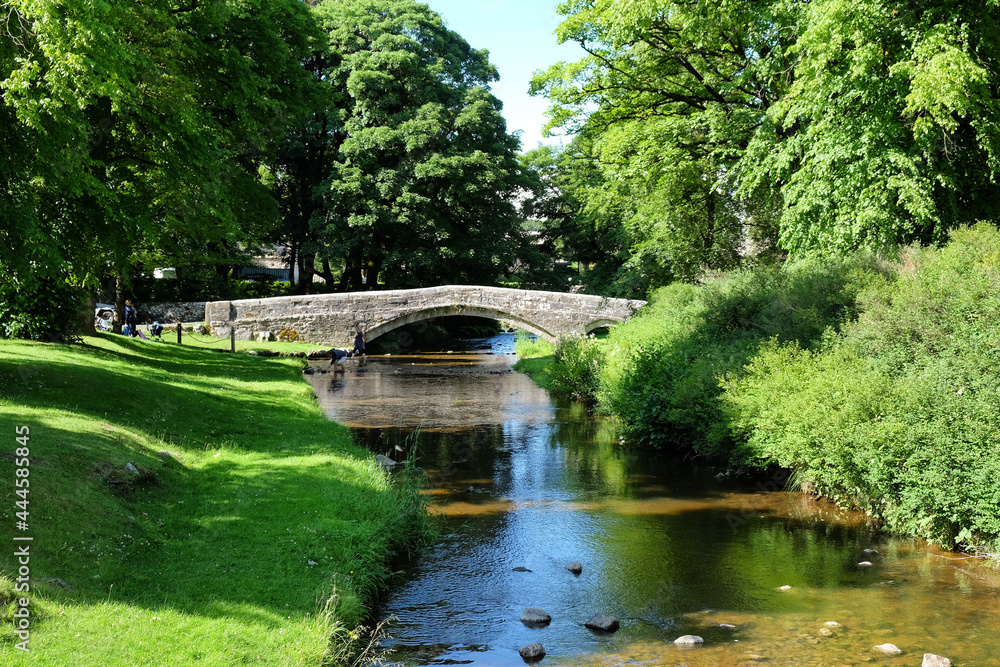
[(889, 649), (864, 563), (575, 567), (603, 623), (832, 624), (535, 617), (689, 640), (520, 568), (532, 652), (727, 626), (931, 660), (786, 587)]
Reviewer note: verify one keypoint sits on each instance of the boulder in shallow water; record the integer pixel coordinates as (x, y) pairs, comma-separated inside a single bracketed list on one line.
[(931, 660), (602, 622), (575, 567), (689, 640), (535, 617), (532, 652), (888, 649)]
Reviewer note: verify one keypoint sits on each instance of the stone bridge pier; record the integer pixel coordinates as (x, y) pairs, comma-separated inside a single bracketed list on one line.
[(333, 319)]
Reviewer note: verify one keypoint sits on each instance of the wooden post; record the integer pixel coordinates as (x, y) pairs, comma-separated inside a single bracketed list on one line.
[(179, 329), (232, 339)]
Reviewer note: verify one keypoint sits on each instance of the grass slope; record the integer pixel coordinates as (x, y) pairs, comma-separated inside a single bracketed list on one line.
[(251, 516), (535, 358)]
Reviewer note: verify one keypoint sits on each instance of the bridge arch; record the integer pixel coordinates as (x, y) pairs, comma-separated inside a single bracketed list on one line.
[(333, 319), (451, 311), (600, 324)]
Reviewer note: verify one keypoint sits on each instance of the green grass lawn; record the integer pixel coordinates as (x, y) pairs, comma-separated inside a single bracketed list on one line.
[(247, 512)]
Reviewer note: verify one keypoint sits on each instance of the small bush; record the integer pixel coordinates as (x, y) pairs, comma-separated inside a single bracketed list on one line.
[(44, 309), (576, 368)]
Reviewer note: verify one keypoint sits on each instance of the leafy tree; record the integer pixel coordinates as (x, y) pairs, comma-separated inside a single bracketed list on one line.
[(143, 129), (423, 176), (671, 94), (840, 124), (575, 222), (889, 133)]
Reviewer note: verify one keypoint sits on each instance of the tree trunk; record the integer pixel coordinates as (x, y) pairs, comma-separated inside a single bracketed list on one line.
[(293, 252), (327, 273), (350, 280), (85, 314), (119, 303), (306, 271), (373, 271)]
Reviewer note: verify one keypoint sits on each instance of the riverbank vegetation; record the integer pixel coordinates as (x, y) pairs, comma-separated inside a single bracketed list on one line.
[(191, 507), (873, 381)]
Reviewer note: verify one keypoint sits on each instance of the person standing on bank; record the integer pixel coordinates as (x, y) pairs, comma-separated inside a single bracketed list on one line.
[(130, 319), (359, 345)]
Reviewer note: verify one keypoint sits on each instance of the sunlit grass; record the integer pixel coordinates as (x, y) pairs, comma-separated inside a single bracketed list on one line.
[(534, 358), (245, 511)]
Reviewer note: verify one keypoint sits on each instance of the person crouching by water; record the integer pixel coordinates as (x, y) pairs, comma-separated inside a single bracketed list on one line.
[(359, 345), (337, 359)]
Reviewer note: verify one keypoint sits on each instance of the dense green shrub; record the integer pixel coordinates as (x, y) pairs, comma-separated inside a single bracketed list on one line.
[(259, 287), (39, 309), (900, 413), (575, 369), (663, 366)]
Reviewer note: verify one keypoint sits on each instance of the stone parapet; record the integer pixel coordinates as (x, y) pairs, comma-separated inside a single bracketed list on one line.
[(333, 319), (169, 313)]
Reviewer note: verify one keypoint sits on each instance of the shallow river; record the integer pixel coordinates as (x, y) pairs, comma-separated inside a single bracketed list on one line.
[(524, 482)]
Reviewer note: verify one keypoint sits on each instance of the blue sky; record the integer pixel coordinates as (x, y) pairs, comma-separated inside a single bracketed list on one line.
[(519, 35)]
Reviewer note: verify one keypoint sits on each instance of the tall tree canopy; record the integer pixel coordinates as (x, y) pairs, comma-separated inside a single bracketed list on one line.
[(141, 128), (423, 174), (891, 130), (846, 123)]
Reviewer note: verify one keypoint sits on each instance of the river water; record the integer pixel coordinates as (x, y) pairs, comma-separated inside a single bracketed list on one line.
[(522, 481)]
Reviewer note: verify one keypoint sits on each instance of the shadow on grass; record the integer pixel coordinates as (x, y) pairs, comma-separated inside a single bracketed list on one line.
[(207, 397), (213, 538), (252, 540)]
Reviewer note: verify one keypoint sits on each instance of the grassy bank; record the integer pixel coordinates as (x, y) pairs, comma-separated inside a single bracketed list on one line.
[(534, 358), (875, 382), (199, 505)]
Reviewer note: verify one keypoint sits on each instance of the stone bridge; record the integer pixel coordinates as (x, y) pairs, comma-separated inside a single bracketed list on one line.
[(333, 319)]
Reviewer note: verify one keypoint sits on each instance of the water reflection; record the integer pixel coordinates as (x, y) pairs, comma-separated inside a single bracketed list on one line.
[(525, 486)]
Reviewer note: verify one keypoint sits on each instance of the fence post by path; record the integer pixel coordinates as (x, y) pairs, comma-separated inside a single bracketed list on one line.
[(232, 340), (179, 328)]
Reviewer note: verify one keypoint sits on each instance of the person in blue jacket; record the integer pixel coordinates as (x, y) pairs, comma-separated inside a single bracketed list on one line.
[(359, 345), (131, 327)]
